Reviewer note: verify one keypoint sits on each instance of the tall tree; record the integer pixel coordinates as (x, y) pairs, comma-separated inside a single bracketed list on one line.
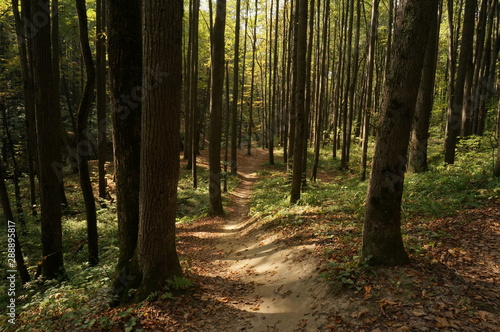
[(214, 149), (236, 83), (417, 160), (454, 121), (382, 240), (300, 120), (124, 38), (101, 94), (12, 231), (48, 139), (28, 90), (84, 145), (252, 80), (160, 135), (369, 90)]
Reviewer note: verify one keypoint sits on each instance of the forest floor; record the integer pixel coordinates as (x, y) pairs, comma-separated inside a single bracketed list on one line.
[(255, 276)]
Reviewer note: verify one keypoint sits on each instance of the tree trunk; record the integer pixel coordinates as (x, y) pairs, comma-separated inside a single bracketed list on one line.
[(236, 83), (417, 160), (369, 89), (455, 117), (101, 95), (13, 240), (252, 81), (162, 49), (125, 51), (83, 145), (29, 103), (216, 109), (300, 121), (194, 93), (382, 240), (49, 142)]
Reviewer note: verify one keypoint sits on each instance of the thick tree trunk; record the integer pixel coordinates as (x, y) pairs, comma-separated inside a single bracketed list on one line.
[(417, 160), (83, 146), (160, 135), (49, 142), (125, 76), (216, 109), (382, 240)]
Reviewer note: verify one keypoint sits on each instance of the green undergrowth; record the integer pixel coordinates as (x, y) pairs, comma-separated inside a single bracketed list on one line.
[(79, 303), (332, 209)]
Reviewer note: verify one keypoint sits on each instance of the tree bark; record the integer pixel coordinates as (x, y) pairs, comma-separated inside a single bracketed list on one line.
[(216, 109), (49, 142), (28, 90), (101, 95), (83, 146), (12, 231), (236, 83), (369, 89), (417, 160), (382, 240), (125, 76), (300, 121), (160, 135), (454, 120)]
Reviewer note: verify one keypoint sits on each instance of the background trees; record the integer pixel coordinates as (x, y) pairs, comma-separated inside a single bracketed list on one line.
[(302, 77)]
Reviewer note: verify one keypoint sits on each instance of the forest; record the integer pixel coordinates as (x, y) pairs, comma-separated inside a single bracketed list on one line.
[(250, 165)]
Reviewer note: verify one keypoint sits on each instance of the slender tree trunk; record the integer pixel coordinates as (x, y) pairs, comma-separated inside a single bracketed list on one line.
[(125, 51), (56, 72), (49, 152), (298, 152), (369, 89), (216, 109), (417, 160), (28, 90), (12, 235), (455, 117), (236, 83), (382, 240), (194, 93), (252, 81), (160, 136), (83, 145), (15, 168), (101, 95)]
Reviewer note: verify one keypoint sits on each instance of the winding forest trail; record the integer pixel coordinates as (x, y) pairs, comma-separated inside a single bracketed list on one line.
[(287, 293), (253, 276), (287, 288)]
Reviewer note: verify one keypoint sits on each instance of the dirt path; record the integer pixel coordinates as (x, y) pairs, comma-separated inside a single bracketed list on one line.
[(287, 290)]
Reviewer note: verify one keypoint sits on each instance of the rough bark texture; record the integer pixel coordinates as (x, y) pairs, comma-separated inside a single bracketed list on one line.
[(84, 145), (48, 139), (216, 109), (382, 240), (125, 75), (160, 136), (417, 160)]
